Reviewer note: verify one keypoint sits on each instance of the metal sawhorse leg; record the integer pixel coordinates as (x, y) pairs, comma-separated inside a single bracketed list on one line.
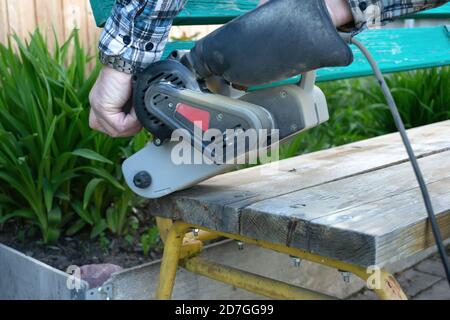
[(181, 248)]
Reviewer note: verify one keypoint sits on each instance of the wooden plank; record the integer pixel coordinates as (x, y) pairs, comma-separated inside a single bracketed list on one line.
[(75, 16), (101, 10), (442, 12), (333, 220), (4, 22), (22, 18), (218, 202), (93, 32), (198, 12), (398, 224), (49, 17), (394, 50)]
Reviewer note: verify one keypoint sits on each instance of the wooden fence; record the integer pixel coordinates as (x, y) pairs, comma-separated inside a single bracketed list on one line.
[(62, 16), (23, 16)]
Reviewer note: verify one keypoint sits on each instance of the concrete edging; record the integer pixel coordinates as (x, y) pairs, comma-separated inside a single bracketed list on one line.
[(23, 277)]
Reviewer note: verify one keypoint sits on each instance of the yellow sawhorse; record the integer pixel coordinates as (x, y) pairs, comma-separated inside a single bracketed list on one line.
[(181, 248)]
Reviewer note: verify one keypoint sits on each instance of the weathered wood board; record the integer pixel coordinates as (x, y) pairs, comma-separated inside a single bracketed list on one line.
[(358, 203)]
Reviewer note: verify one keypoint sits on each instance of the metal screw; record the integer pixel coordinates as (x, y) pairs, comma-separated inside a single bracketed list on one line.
[(240, 245), (170, 105), (283, 94), (195, 232), (142, 180), (345, 276), (157, 142), (296, 261), (219, 117), (293, 127)]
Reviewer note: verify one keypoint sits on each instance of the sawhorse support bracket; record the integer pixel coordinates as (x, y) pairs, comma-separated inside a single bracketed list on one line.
[(181, 248)]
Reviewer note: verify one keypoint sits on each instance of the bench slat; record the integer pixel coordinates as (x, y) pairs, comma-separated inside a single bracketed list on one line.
[(227, 202), (346, 219), (442, 12), (394, 49), (398, 225), (198, 12)]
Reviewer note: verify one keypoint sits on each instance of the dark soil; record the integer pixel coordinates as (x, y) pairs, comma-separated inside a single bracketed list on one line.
[(80, 250)]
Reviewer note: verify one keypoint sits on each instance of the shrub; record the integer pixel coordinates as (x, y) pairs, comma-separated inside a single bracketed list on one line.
[(358, 109), (55, 172)]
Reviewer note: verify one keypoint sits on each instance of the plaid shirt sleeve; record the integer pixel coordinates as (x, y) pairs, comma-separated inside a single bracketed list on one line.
[(372, 13), (137, 30)]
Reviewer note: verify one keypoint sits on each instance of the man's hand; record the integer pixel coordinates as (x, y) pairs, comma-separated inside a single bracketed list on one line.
[(111, 92), (339, 11)]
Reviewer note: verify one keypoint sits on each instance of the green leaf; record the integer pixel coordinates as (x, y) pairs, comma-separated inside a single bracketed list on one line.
[(90, 188), (104, 174), (27, 214), (111, 219), (48, 195), (76, 227), (82, 213), (54, 223), (91, 155), (54, 217), (52, 235), (100, 227)]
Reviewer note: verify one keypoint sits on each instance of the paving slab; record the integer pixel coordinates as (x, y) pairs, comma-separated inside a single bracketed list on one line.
[(439, 291), (413, 281), (431, 266)]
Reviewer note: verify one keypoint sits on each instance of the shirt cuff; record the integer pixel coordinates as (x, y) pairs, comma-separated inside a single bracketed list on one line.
[(137, 31)]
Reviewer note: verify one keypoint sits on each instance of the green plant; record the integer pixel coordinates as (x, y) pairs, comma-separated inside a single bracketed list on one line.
[(55, 172), (422, 96), (358, 109), (150, 239)]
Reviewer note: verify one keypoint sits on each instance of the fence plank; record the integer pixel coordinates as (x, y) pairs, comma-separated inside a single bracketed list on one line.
[(49, 19), (93, 31), (75, 16), (22, 17), (4, 22)]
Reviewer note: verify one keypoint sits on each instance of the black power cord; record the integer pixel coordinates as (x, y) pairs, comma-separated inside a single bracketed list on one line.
[(412, 158)]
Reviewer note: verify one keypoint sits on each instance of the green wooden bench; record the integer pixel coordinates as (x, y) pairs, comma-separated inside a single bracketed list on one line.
[(200, 12), (394, 49)]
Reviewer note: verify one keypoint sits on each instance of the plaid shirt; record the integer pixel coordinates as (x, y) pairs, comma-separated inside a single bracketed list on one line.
[(138, 29)]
